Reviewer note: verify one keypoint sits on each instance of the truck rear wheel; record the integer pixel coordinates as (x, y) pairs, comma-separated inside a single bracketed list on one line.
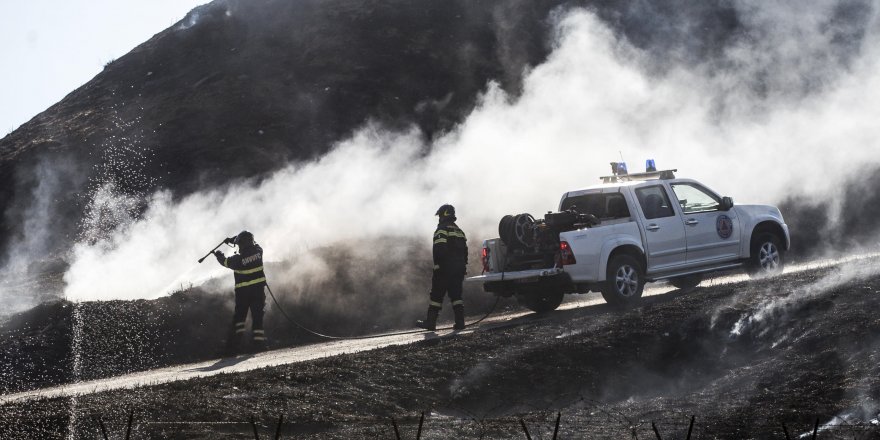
[(624, 281), (540, 302)]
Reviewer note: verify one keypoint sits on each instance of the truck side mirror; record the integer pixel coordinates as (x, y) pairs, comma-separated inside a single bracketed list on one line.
[(726, 203)]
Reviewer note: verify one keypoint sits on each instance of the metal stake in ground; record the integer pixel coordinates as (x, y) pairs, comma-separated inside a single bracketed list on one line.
[(130, 420), (396, 431), (785, 430), (254, 425), (100, 422), (525, 429), (691, 427), (656, 432), (556, 430), (816, 429), (278, 429), (421, 422)]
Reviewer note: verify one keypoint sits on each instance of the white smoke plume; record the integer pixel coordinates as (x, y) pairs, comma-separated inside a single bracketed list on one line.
[(769, 310), (596, 97)]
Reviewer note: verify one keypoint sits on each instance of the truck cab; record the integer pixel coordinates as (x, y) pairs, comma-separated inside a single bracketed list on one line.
[(631, 229)]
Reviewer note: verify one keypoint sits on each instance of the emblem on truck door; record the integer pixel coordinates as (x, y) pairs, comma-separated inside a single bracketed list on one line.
[(724, 226)]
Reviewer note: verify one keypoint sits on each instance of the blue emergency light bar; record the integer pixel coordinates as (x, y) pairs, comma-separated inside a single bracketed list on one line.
[(619, 173)]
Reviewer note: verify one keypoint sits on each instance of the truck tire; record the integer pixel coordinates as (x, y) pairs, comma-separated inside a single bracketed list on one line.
[(540, 302), (687, 282), (624, 281), (767, 256)]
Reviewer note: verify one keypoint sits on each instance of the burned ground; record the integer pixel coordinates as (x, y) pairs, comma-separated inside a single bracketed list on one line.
[(361, 295), (742, 357)]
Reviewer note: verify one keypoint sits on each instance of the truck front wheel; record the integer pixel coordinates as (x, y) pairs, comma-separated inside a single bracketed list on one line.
[(624, 281), (767, 256)]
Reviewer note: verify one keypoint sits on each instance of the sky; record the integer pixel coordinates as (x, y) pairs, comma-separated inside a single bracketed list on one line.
[(51, 47)]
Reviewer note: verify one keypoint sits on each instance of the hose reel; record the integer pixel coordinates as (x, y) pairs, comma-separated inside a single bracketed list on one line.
[(517, 231)]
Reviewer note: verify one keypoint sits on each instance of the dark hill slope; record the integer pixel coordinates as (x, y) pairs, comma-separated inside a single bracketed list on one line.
[(239, 88)]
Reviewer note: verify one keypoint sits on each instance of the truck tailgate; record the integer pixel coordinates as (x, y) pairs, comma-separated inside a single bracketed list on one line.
[(517, 275)]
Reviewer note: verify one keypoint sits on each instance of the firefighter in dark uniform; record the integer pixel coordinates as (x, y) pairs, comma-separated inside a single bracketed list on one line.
[(450, 259), (249, 292)]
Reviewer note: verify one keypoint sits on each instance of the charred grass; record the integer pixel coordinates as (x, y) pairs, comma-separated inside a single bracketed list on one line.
[(609, 372)]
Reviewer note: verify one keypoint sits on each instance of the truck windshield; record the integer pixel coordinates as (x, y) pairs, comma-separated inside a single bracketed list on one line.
[(694, 198), (604, 206)]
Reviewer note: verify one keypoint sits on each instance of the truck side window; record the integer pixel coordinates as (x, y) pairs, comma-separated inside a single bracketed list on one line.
[(615, 206), (654, 202), (693, 199), (603, 206), (586, 204)]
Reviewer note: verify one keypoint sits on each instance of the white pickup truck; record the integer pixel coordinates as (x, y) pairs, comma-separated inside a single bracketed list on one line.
[(631, 229)]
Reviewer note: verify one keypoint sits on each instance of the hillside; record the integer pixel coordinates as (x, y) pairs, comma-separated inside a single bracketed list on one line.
[(237, 89)]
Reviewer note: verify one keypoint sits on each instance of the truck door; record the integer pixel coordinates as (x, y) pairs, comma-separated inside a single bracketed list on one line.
[(712, 235), (665, 243)]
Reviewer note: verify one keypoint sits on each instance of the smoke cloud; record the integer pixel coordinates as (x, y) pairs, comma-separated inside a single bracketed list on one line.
[(31, 265), (781, 111), (776, 307)]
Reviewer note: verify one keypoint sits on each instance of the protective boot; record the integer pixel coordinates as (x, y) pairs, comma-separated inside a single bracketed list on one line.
[(430, 323), (459, 317), (258, 343)]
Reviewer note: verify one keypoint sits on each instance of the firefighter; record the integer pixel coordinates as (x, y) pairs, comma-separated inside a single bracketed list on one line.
[(249, 292), (450, 259)]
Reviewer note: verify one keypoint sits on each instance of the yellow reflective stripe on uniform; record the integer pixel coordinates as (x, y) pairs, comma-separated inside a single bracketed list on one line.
[(251, 283), (259, 332), (440, 240), (436, 266), (249, 271), (457, 234), (458, 303), (435, 304), (239, 324), (259, 338), (241, 330), (440, 232), (224, 262)]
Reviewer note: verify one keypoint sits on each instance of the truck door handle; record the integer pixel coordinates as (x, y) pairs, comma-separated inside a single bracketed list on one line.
[(691, 222), (652, 227)]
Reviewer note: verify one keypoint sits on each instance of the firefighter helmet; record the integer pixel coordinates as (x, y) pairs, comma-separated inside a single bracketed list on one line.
[(446, 212), (244, 239)]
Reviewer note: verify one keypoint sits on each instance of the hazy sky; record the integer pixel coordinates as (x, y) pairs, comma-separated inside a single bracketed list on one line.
[(51, 47)]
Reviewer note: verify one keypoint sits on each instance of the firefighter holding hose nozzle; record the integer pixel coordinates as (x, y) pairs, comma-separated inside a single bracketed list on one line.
[(450, 259), (249, 293)]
